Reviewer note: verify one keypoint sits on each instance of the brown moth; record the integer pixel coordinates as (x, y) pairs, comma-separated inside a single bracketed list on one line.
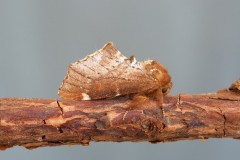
[(235, 87), (108, 74)]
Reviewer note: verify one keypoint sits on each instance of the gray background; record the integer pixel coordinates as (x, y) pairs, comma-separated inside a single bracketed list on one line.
[(198, 41)]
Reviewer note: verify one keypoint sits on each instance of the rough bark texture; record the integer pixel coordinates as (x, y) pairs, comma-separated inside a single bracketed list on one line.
[(48, 122)]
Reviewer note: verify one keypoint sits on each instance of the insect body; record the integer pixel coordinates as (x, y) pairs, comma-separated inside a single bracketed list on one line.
[(108, 74)]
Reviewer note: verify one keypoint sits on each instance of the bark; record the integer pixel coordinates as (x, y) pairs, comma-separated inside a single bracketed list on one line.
[(48, 122)]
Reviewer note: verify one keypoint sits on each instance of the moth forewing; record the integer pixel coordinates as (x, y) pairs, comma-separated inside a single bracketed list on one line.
[(107, 74)]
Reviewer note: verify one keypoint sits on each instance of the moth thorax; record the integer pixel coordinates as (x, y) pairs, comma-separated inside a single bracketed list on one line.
[(155, 70)]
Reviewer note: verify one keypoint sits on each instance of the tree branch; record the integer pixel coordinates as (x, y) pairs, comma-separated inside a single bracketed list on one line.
[(48, 122)]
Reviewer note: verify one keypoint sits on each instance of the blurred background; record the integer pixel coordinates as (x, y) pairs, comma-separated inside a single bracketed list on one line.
[(197, 40)]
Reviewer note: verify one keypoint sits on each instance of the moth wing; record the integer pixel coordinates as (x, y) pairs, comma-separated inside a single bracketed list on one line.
[(105, 74)]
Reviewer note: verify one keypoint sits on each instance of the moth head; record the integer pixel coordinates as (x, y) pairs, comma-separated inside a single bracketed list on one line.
[(160, 74)]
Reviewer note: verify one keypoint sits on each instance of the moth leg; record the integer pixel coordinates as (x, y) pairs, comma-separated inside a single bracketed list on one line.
[(158, 96), (138, 100)]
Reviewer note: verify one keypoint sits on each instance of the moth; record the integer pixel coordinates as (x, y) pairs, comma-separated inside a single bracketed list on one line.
[(235, 87), (107, 73)]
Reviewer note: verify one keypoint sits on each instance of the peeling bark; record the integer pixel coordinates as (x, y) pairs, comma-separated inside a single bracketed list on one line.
[(36, 123)]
